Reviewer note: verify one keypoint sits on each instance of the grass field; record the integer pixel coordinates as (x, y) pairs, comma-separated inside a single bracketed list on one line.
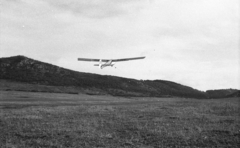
[(30, 119)]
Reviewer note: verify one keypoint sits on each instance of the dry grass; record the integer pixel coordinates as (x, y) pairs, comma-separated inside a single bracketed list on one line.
[(65, 120)]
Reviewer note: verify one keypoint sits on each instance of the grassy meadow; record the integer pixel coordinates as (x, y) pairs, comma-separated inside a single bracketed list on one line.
[(31, 119)]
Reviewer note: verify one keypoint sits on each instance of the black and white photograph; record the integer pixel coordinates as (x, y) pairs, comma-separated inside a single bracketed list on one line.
[(119, 73)]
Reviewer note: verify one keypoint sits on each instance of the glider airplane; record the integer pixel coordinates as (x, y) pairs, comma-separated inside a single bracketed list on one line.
[(108, 62)]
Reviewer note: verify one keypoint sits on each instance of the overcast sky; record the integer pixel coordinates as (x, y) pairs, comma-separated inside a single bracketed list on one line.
[(192, 42)]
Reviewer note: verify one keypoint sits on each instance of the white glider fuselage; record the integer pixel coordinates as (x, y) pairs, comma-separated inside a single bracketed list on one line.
[(102, 65), (108, 62)]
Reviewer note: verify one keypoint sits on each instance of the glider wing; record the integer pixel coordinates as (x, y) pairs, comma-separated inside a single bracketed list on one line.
[(127, 59), (92, 60), (106, 60)]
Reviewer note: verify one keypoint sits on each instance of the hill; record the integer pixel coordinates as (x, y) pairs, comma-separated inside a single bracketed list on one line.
[(234, 94), (223, 93), (23, 69)]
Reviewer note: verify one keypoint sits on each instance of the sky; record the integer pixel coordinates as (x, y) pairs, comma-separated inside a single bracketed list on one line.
[(191, 42)]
